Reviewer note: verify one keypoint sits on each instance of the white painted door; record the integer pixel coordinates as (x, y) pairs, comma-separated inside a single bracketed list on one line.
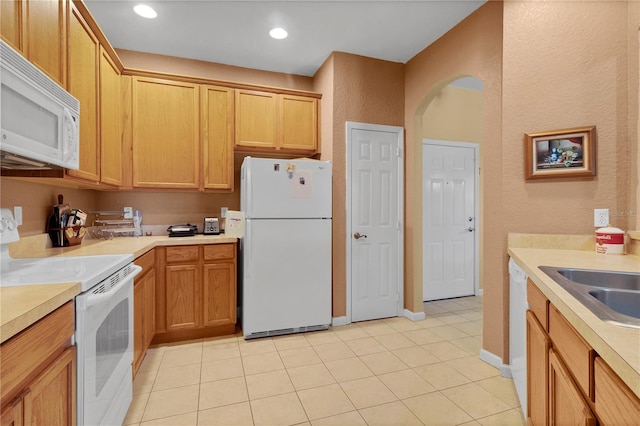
[(449, 209), (375, 232)]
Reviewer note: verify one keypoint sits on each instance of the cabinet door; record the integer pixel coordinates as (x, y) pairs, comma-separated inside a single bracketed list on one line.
[(219, 294), (166, 134), (217, 137), (138, 323), (11, 22), (182, 297), (538, 345), (616, 404), (255, 119), (45, 36), (299, 123), (149, 322), (12, 415), (51, 398), (84, 57), (110, 122), (566, 405)]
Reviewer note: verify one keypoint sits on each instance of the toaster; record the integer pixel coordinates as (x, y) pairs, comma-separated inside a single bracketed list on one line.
[(211, 226)]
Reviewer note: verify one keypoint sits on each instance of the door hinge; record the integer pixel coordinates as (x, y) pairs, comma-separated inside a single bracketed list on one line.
[(398, 225), (398, 152)]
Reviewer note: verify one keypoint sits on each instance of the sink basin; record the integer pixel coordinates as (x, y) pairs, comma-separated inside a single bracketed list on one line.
[(625, 302), (613, 296), (607, 279)]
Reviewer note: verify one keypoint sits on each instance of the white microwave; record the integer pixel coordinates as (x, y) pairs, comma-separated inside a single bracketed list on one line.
[(39, 120)]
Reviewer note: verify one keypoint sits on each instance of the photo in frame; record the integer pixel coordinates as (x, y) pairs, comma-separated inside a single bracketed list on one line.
[(566, 153)]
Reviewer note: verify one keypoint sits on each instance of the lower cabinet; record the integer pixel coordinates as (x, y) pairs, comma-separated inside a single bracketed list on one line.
[(567, 383), (197, 297), (144, 296), (39, 372)]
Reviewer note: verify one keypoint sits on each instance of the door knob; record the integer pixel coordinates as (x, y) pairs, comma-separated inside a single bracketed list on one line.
[(358, 235), (470, 229)]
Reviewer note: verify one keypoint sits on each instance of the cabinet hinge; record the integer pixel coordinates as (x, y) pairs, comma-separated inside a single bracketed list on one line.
[(398, 152)]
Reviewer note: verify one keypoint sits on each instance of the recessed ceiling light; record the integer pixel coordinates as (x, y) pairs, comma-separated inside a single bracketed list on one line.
[(145, 11), (278, 33)]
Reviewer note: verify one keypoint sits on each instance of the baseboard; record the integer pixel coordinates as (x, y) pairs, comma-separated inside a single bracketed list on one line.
[(480, 292), (338, 321), (413, 316), (495, 361)]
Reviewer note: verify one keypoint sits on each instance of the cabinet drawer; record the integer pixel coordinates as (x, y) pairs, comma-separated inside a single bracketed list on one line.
[(146, 261), (182, 254), (615, 403), (219, 251), (538, 303), (576, 352)]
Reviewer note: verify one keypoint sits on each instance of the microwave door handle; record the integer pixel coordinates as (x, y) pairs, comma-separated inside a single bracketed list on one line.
[(69, 134), (95, 299)]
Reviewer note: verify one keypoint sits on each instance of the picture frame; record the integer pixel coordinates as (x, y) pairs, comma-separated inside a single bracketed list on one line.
[(566, 153)]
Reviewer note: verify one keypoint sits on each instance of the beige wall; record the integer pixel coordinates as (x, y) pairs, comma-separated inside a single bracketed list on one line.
[(473, 48), (633, 50), (362, 90), (37, 201), (454, 114)]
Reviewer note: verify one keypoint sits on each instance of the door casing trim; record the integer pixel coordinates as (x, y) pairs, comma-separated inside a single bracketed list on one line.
[(350, 126)]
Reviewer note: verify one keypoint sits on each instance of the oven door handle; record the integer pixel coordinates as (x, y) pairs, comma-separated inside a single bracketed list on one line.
[(95, 299)]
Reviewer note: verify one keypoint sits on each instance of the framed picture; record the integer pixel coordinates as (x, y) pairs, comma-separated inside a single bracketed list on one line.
[(567, 153)]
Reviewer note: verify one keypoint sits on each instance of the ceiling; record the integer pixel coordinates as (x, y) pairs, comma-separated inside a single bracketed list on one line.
[(236, 32)]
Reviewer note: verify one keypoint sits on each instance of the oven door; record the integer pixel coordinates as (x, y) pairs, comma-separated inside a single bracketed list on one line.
[(104, 338)]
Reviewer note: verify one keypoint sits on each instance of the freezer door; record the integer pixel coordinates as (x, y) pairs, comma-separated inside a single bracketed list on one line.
[(286, 281), (275, 188)]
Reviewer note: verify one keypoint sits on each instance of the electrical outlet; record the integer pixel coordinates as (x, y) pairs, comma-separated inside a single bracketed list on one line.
[(223, 212), (600, 217), (17, 214)]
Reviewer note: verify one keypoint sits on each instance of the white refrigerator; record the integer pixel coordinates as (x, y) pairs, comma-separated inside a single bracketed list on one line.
[(286, 247)]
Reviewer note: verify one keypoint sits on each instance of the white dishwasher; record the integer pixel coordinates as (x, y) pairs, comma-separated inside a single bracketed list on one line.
[(518, 331)]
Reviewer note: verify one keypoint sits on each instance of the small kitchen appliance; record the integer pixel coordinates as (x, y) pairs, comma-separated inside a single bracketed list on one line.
[(286, 248), (187, 230), (211, 226)]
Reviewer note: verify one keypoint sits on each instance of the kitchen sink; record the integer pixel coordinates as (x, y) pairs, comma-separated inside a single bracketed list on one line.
[(625, 302), (608, 279), (613, 296)]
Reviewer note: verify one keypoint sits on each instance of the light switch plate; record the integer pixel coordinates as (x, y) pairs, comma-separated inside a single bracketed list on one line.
[(600, 217), (223, 212), (17, 214)]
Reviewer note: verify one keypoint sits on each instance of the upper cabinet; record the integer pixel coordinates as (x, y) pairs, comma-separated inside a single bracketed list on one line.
[(217, 137), (270, 122), (84, 70), (38, 29), (166, 134), (110, 121)]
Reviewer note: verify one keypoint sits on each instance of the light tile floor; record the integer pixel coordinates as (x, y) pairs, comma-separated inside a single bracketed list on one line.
[(383, 372)]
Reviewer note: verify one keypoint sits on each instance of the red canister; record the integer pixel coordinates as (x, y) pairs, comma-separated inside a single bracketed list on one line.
[(610, 240)]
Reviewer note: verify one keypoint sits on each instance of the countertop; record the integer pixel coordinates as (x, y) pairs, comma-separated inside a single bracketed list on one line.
[(618, 346), (22, 306)]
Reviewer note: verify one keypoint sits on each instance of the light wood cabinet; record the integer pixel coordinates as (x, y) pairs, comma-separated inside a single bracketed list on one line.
[(566, 405), (111, 116), (198, 293), (299, 123), (11, 23), (567, 383), (166, 134), (538, 345), (84, 60), (45, 36), (144, 295), (615, 403), (270, 122), (217, 111), (39, 372)]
